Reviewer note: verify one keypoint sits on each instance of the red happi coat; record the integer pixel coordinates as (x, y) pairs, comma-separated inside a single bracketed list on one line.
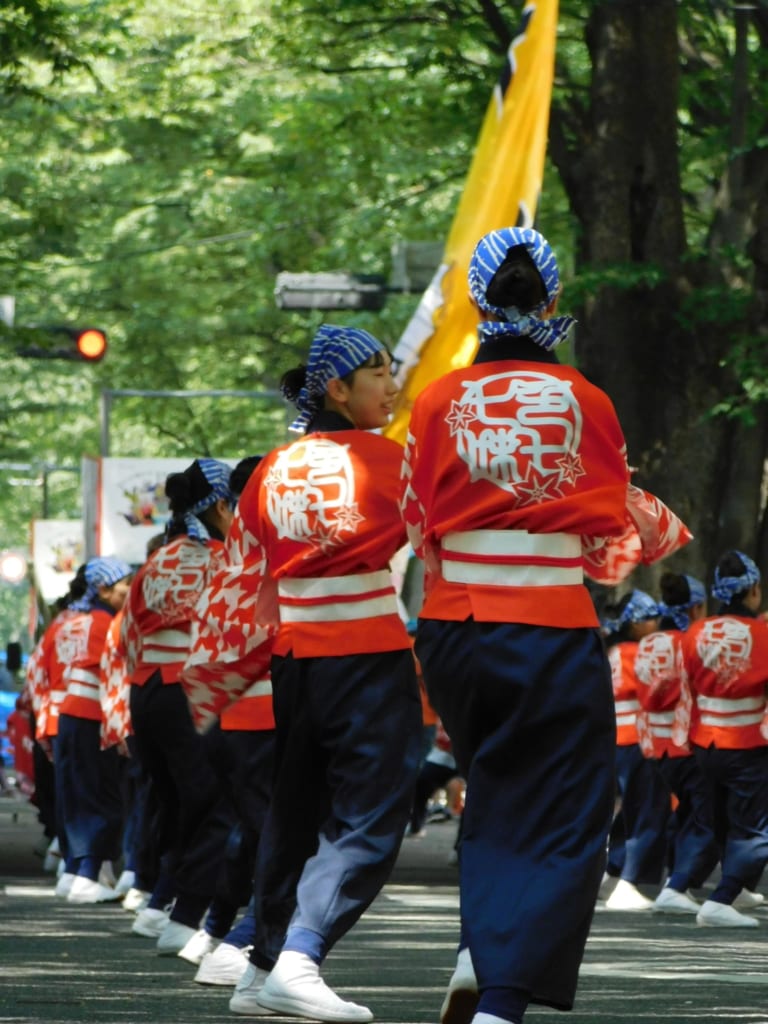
[(322, 513), (77, 647), (45, 680), (114, 688), (227, 672), (524, 449), (658, 673), (725, 659), (161, 606), (621, 658)]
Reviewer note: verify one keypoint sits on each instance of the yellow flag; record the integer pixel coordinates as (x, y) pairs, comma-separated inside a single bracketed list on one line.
[(501, 190)]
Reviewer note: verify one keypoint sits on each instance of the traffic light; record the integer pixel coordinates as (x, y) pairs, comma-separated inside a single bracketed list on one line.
[(62, 341)]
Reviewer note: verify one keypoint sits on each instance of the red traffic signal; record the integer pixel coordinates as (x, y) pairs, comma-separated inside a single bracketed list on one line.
[(91, 343), (61, 341)]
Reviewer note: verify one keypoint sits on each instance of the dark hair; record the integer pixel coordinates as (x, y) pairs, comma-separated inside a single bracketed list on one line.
[(242, 473), (155, 541), (675, 589), (77, 587), (517, 282), (731, 565), (294, 380), (185, 489)]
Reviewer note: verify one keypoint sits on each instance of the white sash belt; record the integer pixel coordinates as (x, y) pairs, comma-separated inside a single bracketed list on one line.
[(512, 558), (82, 683), (661, 723), (725, 713), (263, 688), (337, 598), (165, 647), (86, 690)]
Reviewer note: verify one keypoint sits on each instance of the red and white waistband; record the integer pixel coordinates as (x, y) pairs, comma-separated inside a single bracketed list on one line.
[(165, 647), (82, 683), (512, 558), (365, 595), (661, 722), (626, 712), (733, 713), (262, 688)]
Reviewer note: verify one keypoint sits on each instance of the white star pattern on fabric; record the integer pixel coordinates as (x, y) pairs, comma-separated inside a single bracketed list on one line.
[(461, 416)]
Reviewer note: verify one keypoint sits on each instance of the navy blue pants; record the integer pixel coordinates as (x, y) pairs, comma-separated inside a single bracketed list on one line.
[(89, 807), (348, 748), (694, 851), (196, 816), (529, 710), (638, 848), (244, 761), (738, 784)]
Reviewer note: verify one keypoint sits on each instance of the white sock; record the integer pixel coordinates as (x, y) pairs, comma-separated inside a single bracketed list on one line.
[(293, 964), (464, 959), (489, 1018)]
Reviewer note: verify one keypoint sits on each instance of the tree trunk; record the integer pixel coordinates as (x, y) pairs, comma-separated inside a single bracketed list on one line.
[(635, 337)]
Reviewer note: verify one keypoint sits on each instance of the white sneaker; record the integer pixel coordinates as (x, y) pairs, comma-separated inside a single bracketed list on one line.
[(87, 890), (136, 900), (671, 901), (748, 900), (150, 922), (462, 996), (627, 897), (52, 856), (107, 874), (723, 915), (294, 988), (248, 988), (198, 946), (64, 883), (173, 938), (224, 966), (607, 885), (125, 882)]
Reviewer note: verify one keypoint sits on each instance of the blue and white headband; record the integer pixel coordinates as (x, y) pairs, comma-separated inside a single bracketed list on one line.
[(100, 572), (679, 612), (638, 608), (334, 353), (725, 588), (490, 252), (217, 474)]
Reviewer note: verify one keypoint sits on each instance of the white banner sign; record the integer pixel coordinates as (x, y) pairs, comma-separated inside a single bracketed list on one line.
[(131, 504), (57, 550)]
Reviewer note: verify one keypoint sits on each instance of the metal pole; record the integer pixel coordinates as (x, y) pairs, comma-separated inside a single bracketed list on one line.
[(105, 409)]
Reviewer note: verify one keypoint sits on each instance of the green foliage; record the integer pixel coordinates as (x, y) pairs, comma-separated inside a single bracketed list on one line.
[(160, 164)]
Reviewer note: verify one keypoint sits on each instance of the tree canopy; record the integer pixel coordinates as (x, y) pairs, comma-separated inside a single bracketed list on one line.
[(160, 164)]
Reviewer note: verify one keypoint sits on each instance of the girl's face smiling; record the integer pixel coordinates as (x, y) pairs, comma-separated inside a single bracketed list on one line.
[(368, 398)]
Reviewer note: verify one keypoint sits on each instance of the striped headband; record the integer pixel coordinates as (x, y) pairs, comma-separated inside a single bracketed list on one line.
[(725, 588), (489, 254), (334, 353), (100, 572), (679, 612), (217, 474), (638, 608)]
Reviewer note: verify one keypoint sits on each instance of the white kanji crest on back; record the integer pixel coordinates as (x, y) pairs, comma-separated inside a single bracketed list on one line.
[(656, 661), (725, 648), (520, 431), (311, 493), (71, 640)]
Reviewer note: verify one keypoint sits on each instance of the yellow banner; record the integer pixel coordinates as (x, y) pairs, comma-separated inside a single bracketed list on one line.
[(502, 189)]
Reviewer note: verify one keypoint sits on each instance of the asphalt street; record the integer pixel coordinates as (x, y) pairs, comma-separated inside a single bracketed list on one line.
[(62, 963)]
